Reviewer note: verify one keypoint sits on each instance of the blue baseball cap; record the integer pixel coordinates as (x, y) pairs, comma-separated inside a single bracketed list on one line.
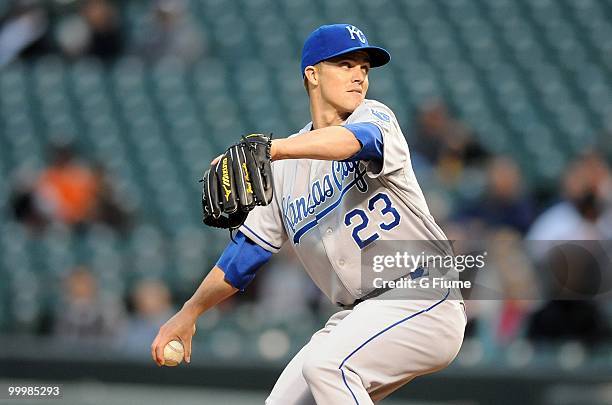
[(333, 40)]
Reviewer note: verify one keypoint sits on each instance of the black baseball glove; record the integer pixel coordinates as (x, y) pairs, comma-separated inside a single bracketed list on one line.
[(239, 181)]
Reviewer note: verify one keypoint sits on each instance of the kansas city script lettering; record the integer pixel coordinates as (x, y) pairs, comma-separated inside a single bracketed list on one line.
[(322, 190)]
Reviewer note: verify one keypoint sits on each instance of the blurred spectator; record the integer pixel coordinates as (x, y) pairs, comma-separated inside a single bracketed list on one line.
[(171, 32), (502, 292), (83, 314), (565, 320), (284, 290), (95, 31), (68, 191), (505, 202), (67, 188), (23, 31), (517, 282), (72, 35), (578, 273), (445, 142), (24, 202), (584, 214), (108, 208), (585, 211), (106, 38), (151, 301)]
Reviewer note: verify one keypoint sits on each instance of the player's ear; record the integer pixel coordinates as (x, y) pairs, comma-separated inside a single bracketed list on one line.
[(312, 75)]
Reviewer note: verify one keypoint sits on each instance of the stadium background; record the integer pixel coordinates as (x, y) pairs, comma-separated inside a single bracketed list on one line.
[(110, 111)]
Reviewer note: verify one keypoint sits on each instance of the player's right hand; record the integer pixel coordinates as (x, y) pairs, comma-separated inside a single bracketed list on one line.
[(180, 327)]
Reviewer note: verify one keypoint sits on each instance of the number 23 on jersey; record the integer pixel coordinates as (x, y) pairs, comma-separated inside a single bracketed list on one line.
[(380, 203)]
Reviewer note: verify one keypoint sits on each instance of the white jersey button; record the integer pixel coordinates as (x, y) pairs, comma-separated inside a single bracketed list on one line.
[(341, 262), (329, 231)]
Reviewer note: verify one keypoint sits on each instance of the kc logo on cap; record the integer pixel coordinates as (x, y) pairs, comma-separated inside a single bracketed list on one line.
[(356, 31), (329, 41)]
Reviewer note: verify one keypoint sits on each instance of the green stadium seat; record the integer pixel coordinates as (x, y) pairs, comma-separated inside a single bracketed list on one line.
[(168, 71), (12, 103), (145, 250), (212, 9), (254, 10), (462, 10), (421, 82), (210, 75), (86, 75), (275, 47), (383, 9), (303, 24), (419, 10), (493, 136), (26, 304), (49, 71), (294, 9), (232, 33), (544, 11), (342, 10), (189, 247), (25, 147), (13, 82)]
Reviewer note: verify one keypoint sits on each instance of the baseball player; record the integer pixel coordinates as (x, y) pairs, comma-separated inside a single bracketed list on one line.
[(341, 186)]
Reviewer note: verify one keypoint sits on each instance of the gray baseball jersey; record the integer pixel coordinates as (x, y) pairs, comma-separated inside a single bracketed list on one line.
[(333, 211), (336, 215)]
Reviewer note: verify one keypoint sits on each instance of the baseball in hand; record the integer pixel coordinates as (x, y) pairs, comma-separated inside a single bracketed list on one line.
[(173, 353)]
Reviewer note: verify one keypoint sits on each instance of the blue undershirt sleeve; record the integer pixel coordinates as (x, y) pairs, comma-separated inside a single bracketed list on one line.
[(369, 136), (241, 260)]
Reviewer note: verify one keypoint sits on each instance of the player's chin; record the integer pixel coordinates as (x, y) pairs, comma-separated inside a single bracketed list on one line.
[(353, 100)]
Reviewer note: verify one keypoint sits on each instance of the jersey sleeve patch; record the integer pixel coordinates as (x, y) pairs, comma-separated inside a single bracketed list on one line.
[(380, 115), (395, 152)]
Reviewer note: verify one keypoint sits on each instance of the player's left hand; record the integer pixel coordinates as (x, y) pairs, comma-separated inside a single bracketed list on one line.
[(180, 327), (237, 181)]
